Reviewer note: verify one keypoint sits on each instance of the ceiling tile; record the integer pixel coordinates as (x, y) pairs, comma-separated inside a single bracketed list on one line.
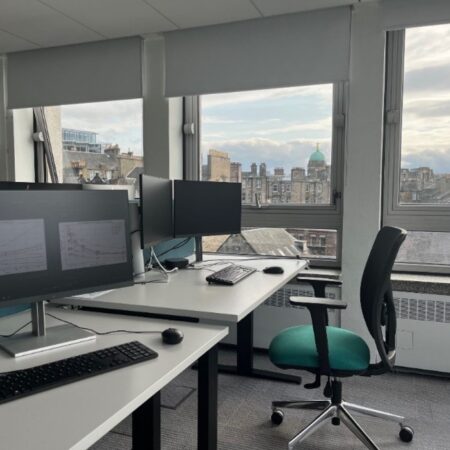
[(195, 13), (38, 23), (11, 43), (114, 18), (271, 7)]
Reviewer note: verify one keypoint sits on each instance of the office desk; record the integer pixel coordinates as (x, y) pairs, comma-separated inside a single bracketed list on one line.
[(76, 415), (188, 295)]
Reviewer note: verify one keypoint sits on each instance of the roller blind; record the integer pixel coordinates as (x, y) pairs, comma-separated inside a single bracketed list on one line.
[(288, 50), (97, 71), (399, 14)]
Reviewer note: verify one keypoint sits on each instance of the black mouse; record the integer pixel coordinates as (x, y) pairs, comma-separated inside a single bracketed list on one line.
[(274, 270), (172, 336)]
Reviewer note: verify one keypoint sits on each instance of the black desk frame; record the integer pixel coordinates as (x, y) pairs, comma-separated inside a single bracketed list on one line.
[(147, 418)]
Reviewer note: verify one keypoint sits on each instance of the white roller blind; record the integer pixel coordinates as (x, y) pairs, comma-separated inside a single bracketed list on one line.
[(288, 50), (398, 14), (97, 71)]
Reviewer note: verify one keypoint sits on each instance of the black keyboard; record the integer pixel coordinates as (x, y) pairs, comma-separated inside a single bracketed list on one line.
[(21, 383), (230, 275)]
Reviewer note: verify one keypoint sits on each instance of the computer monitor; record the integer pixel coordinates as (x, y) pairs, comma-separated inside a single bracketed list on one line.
[(25, 186), (203, 208), (156, 209), (61, 243)]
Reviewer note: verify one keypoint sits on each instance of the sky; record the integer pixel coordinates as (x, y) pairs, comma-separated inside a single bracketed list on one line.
[(426, 99), (117, 122), (281, 127)]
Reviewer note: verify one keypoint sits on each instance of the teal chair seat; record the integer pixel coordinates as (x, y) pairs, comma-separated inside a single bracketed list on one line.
[(296, 347)]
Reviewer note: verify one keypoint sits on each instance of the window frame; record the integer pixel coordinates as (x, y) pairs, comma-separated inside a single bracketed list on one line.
[(285, 215), (412, 217)]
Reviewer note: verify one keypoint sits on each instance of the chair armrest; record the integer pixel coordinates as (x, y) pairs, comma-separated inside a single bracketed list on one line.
[(310, 279), (318, 283), (328, 303)]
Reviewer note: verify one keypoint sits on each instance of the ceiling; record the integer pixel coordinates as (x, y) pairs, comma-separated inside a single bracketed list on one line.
[(30, 24)]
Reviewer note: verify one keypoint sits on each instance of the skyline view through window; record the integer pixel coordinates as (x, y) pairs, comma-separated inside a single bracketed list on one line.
[(102, 143), (425, 152), (276, 142)]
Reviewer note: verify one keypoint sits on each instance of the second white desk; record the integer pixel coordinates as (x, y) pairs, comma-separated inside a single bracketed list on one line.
[(188, 296)]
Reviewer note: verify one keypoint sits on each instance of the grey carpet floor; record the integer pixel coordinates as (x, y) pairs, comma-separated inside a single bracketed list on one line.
[(244, 414)]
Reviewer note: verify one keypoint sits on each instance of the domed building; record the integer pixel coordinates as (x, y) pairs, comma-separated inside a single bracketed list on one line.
[(317, 165)]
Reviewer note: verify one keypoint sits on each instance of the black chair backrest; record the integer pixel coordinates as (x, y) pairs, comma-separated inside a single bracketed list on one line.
[(377, 302)]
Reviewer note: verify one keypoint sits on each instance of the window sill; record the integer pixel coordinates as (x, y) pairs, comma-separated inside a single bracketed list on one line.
[(333, 274), (402, 282), (421, 284)]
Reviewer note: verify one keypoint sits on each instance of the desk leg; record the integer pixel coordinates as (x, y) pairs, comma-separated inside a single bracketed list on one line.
[(245, 357), (147, 425), (207, 400)]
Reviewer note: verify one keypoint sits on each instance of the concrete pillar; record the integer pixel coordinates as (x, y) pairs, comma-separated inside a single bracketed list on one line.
[(163, 117), (20, 141), (363, 168), (4, 160)]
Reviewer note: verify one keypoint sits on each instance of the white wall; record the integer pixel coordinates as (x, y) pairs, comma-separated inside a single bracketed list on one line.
[(20, 137), (163, 118)]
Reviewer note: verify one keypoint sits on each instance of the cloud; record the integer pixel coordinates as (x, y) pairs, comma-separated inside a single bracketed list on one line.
[(427, 47), (429, 78), (235, 98), (426, 99), (323, 125), (116, 122), (217, 120)]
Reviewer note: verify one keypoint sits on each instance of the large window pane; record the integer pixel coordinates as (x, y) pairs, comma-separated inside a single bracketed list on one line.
[(276, 142), (425, 152), (98, 143), (315, 244)]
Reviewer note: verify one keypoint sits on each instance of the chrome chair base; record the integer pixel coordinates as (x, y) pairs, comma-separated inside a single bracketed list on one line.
[(339, 412)]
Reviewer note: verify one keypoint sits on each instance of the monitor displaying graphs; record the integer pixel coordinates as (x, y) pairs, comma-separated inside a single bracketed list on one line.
[(22, 246), (93, 243), (58, 243)]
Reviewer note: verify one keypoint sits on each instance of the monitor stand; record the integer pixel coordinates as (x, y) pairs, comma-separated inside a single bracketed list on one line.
[(41, 339), (198, 249)]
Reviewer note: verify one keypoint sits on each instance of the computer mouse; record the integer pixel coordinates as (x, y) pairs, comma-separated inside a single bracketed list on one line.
[(172, 336), (274, 270)]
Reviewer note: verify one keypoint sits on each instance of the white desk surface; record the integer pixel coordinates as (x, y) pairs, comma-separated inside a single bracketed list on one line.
[(76, 415), (187, 294)]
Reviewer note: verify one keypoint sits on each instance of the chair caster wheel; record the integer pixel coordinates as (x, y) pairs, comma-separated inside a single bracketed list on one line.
[(406, 434), (277, 417)]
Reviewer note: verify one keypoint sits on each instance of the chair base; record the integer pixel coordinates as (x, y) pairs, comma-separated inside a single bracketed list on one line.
[(338, 411)]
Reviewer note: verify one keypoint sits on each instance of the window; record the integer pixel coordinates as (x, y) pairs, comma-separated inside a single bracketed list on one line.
[(417, 145), (274, 242), (97, 143), (277, 143)]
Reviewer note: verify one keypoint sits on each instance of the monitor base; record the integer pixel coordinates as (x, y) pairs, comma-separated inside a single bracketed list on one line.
[(24, 344)]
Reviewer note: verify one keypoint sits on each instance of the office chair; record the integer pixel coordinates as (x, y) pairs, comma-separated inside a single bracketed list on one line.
[(336, 352)]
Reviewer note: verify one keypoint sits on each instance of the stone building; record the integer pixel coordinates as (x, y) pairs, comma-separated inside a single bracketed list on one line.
[(219, 166), (259, 186)]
